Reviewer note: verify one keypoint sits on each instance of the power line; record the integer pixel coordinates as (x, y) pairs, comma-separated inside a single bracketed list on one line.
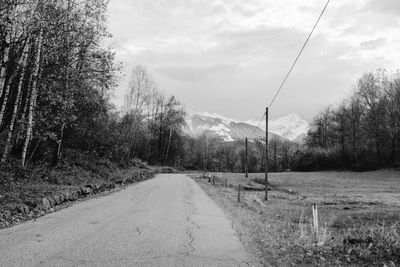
[(298, 56), (291, 68), (257, 127)]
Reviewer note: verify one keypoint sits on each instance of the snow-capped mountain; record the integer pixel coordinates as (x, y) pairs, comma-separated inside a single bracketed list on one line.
[(215, 124), (291, 127)]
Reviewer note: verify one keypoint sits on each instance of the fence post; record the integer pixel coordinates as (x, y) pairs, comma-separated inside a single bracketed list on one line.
[(239, 188), (247, 160), (266, 153), (226, 182), (315, 217)]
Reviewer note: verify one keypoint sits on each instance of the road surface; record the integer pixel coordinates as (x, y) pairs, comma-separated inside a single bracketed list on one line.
[(165, 221)]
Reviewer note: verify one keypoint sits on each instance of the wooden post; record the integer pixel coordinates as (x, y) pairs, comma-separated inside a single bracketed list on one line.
[(247, 160), (266, 154), (315, 217), (239, 188)]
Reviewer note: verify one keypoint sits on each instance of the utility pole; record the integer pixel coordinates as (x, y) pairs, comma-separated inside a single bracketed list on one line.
[(266, 154), (159, 138), (247, 160)]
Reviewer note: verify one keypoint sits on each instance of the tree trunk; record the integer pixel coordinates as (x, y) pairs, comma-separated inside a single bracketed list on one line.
[(32, 98), (6, 53), (167, 150), (159, 140), (5, 100), (23, 114), (17, 103), (275, 158), (378, 149), (342, 141), (393, 151), (9, 82), (57, 148)]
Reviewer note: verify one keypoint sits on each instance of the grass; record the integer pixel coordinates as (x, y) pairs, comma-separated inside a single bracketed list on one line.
[(359, 219)]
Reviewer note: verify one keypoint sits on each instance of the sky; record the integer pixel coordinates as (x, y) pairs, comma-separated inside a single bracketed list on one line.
[(230, 56)]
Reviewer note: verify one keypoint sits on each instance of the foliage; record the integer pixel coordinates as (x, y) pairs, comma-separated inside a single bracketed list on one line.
[(56, 78), (363, 133)]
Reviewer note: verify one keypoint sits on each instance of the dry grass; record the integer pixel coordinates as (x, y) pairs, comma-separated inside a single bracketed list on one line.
[(359, 219)]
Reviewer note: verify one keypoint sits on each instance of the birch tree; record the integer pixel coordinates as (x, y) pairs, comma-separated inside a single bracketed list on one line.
[(17, 101), (32, 99)]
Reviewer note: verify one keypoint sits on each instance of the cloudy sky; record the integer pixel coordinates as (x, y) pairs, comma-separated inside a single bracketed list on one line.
[(230, 56)]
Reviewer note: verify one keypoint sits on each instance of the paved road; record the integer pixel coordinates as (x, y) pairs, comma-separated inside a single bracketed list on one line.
[(165, 221)]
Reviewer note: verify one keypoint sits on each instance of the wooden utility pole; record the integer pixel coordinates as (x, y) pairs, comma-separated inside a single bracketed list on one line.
[(266, 154), (247, 159), (159, 138)]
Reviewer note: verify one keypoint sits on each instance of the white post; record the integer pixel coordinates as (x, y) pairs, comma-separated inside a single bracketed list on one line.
[(315, 217)]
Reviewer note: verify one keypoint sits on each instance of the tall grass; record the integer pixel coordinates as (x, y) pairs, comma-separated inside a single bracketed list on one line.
[(309, 235)]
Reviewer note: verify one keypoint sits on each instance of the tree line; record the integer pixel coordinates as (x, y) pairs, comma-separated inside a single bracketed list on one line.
[(363, 132), (211, 153)]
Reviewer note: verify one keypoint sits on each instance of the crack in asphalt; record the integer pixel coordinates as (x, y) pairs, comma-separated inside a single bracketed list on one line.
[(189, 230)]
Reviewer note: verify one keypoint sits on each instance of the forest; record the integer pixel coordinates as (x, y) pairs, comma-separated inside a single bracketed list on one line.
[(363, 132), (57, 78)]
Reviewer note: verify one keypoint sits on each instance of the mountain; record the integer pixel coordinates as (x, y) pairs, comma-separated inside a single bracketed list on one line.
[(218, 125), (291, 127)]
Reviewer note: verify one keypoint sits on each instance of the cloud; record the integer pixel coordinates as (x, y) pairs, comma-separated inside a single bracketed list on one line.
[(373, 44), (239, 51), (387, 7), (195, 73)]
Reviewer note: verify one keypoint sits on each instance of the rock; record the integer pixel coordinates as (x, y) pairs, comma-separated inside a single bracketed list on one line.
[(120, 182), (62, 198), (98, 187), (91, 186), (7, 214), (85, 190), (57, 199), (52, 201), (31, 203), (66, 194), (24, 209), (70, 195), (74, 196), (103, 186), (111, 185), (46, 203)]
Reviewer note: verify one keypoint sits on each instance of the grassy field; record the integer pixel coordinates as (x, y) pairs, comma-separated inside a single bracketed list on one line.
[(359, 216)]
